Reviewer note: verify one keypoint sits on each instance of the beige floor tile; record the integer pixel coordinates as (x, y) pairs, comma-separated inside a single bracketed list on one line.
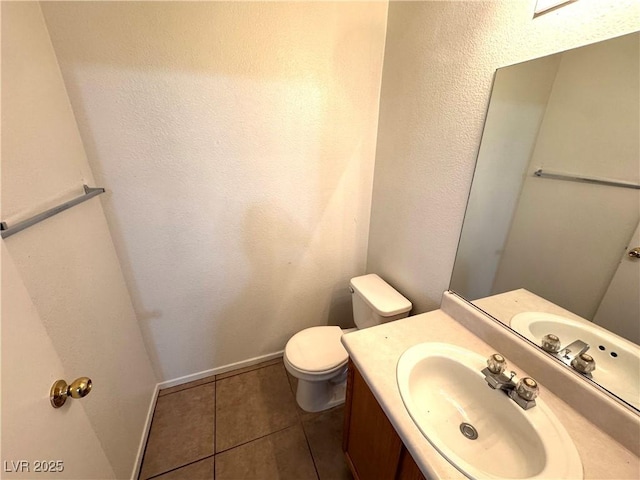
[(324, 433), (280, 456), (238, 371), (184, 386), (181, 431), (252, 405), (202, 470), (293, 381)]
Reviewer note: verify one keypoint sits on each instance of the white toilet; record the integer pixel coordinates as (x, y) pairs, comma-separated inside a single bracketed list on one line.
[(316, 357)]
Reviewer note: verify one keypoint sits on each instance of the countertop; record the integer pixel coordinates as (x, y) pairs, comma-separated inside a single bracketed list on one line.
[(376, 350)]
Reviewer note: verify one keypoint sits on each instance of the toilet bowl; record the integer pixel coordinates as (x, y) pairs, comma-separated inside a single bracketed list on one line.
[(315, 355), (318, 360)]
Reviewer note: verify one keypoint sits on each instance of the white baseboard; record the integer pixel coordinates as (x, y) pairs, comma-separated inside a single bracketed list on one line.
[(218, 370), (145, 433)]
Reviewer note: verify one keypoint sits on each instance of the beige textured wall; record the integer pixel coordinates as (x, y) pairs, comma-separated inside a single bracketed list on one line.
[(67, 263), (440, 58), (237, 143)]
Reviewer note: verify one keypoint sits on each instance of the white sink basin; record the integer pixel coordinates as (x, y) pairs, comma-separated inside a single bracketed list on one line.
[(442, 388), (617, 359)]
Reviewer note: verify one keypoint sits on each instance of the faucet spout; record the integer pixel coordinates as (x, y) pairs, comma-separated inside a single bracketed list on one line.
[(573, 350), (499, 381), (523, 392), (573, 355)]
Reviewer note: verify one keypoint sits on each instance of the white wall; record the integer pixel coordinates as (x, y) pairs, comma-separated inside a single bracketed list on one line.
[(237, 143), (68, 263), (573, 230), (518, 101), (440, 59)]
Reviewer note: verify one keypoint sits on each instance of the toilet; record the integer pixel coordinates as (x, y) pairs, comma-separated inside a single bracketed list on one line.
[(316, 357)]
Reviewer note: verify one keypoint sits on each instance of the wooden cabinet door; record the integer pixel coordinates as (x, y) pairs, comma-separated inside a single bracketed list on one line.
[(371, 444), (408, 469)]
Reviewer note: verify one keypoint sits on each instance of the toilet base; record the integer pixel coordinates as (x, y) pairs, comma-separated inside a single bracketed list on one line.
[(323, 395)]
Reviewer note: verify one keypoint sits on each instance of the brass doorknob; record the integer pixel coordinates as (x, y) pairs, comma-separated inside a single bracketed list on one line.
[(634, 252), (79, 388)]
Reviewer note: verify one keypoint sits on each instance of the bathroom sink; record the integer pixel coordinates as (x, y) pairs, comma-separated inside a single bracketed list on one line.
[(447, 397), (617, 359)]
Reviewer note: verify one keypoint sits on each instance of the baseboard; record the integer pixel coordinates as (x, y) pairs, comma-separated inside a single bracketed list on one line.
[(145, 433), (218, 370)]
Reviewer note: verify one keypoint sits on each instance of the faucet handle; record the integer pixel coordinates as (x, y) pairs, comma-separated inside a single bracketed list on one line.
[(551, 343), (584, 363), (527, 388), (496, 364)]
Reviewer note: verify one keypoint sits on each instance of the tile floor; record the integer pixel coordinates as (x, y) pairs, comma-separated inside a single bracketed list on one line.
[(240, 425)]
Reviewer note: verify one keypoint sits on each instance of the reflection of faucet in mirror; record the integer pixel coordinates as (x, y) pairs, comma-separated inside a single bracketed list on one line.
[(574, 355), (618, 359), (573, 117)]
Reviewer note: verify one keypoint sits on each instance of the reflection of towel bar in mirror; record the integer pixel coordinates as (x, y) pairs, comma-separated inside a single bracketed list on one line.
[(510, 210), (89, 192), (576, 178)]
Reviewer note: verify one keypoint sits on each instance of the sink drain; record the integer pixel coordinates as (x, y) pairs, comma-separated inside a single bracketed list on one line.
[(468, 431)]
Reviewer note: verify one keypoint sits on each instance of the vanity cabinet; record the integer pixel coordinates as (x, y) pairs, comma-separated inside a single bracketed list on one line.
[(372, 447)]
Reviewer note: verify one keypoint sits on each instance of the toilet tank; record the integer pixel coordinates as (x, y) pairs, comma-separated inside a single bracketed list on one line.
[(375, 301)]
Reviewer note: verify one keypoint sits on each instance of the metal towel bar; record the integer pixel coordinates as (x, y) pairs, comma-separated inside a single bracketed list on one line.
[(576, 178), (89, 192)]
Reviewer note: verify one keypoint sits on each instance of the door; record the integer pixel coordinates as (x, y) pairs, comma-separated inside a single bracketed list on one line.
[(38, 441), (619, 310)]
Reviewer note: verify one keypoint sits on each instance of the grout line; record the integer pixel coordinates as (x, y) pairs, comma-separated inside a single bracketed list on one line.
[(182, 466), (304, 432), (293, 390), (313, 459), (256, 439)]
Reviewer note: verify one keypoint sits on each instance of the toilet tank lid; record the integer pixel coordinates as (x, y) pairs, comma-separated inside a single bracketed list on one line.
[(379, 295)]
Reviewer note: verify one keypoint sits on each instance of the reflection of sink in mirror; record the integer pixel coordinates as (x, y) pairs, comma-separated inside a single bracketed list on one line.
[(617, 359), (450, 402), (562, 237)]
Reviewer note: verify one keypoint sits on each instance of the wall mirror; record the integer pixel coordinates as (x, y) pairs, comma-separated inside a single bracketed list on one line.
[(551, 227)]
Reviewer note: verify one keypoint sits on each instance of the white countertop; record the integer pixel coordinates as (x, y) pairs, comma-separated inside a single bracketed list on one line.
[(375, 351)]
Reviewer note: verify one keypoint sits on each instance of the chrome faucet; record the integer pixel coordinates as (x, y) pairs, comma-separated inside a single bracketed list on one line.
[(499, 381), (522, 392), (573, 350), (574, 355)]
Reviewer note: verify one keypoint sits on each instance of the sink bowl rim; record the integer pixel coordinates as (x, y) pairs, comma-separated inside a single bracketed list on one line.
[(525, 319), (617, 375), (564, 461)]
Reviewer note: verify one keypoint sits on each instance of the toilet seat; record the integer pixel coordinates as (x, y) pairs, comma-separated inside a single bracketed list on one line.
[(316, 350)]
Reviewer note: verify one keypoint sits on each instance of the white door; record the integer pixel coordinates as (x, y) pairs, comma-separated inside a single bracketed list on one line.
[(619, 310), (38, 441)]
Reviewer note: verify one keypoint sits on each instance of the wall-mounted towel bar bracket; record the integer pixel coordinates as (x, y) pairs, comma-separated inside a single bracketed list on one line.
[(592, 180), (89, 192)]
